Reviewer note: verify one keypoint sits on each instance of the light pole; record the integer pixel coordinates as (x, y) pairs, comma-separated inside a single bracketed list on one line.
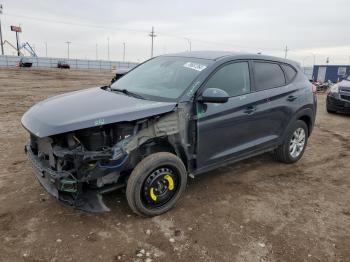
[(46, 49), (152, 35), (68, 43), (124, 52), (108, 48), (189, 43), (2, 44)]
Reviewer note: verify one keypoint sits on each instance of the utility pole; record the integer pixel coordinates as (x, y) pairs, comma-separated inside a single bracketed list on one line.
[(152, 35), (96, 51), (2, 43), (68, 43), (46, 49), (189, 43), (124, 52), (108, 48), (285, 52)]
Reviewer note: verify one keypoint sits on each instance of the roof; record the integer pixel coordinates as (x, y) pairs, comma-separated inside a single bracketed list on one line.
[(210, 55), (216, 55)]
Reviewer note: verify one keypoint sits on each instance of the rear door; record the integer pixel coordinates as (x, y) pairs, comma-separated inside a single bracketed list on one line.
[(275, 81), (232, 129)]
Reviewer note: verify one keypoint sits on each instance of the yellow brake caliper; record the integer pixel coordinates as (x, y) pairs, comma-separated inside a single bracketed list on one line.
[(171, 187), (170, 181), (153, 196)]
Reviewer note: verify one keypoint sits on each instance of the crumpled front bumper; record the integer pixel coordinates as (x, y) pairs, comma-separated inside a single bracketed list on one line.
[(89, 200)]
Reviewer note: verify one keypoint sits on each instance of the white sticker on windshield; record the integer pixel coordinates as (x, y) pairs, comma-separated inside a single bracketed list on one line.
[(195, 66)]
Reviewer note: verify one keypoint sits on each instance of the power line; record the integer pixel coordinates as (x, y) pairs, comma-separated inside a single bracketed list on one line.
[(76, 24), (160, 34), (126, 29)]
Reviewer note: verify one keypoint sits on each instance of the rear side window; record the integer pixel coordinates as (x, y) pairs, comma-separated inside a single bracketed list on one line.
[(289, 71), (233, 78), (268, 75)]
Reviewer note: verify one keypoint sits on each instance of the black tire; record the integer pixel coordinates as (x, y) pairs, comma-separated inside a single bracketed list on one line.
[(283, 153), (136, 188)]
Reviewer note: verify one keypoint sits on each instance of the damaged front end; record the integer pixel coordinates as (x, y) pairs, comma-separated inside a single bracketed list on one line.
[(77, 167)]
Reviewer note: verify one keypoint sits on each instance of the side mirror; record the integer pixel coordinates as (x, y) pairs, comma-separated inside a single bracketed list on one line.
[(214, 95)]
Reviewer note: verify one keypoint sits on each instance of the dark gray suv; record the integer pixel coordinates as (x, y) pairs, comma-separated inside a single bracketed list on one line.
[(171, 117)]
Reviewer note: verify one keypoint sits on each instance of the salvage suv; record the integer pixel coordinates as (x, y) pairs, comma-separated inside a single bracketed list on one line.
[(170, 118), (338, 97)]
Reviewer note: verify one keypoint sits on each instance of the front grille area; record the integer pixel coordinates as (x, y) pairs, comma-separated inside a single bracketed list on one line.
[(344, 89), (345, 97)]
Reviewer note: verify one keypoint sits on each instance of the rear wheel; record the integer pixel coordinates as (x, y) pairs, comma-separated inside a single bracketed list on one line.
[(156, 184), (294, 144)]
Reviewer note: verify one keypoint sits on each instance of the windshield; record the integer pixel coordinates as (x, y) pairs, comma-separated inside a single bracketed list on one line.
[(162, 78), (348, 78)]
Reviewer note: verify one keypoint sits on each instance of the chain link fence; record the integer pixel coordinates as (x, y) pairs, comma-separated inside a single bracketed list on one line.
[(83, 64)]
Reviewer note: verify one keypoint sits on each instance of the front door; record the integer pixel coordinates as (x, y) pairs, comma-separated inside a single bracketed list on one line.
[(228, 130)]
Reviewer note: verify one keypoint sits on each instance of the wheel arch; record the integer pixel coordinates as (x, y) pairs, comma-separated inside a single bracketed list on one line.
[(308, 122), (306, 115), (156, 145)]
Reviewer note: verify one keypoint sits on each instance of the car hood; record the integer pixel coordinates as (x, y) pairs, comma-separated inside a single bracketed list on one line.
[(88, 108)]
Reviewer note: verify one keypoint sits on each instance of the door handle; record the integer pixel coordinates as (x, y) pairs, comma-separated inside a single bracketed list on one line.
[(291, 98), (250, 110)]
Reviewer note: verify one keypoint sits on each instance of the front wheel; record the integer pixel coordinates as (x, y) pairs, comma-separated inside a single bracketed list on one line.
[(156, 184), (294, 144)]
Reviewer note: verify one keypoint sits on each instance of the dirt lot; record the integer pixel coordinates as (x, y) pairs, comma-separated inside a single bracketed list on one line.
[(256, 210)]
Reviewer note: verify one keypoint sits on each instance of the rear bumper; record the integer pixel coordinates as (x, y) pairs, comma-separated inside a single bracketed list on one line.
[(337, 104), (89, 200)]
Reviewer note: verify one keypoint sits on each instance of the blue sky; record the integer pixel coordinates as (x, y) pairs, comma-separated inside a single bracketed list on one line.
[(309, 28)]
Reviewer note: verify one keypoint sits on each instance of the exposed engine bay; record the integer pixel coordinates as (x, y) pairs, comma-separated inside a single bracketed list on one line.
[(77, 167)]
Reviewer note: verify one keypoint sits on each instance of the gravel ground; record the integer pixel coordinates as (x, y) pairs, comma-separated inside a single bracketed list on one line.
[(255, 210)]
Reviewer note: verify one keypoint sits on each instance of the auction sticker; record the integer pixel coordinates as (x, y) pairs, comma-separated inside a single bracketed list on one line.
[(195, 66)]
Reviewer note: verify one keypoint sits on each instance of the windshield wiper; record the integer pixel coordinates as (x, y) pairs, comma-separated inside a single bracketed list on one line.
[(127, 92)]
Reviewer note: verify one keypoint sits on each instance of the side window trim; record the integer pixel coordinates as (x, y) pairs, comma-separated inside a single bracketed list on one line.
[(268, 62), (251, 84), (285, 74)]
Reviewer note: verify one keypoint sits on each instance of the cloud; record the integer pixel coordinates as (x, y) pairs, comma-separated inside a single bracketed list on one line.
[(253, 25)]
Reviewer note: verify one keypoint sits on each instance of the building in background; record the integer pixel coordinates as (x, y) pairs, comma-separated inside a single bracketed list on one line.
[(333, 73)]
